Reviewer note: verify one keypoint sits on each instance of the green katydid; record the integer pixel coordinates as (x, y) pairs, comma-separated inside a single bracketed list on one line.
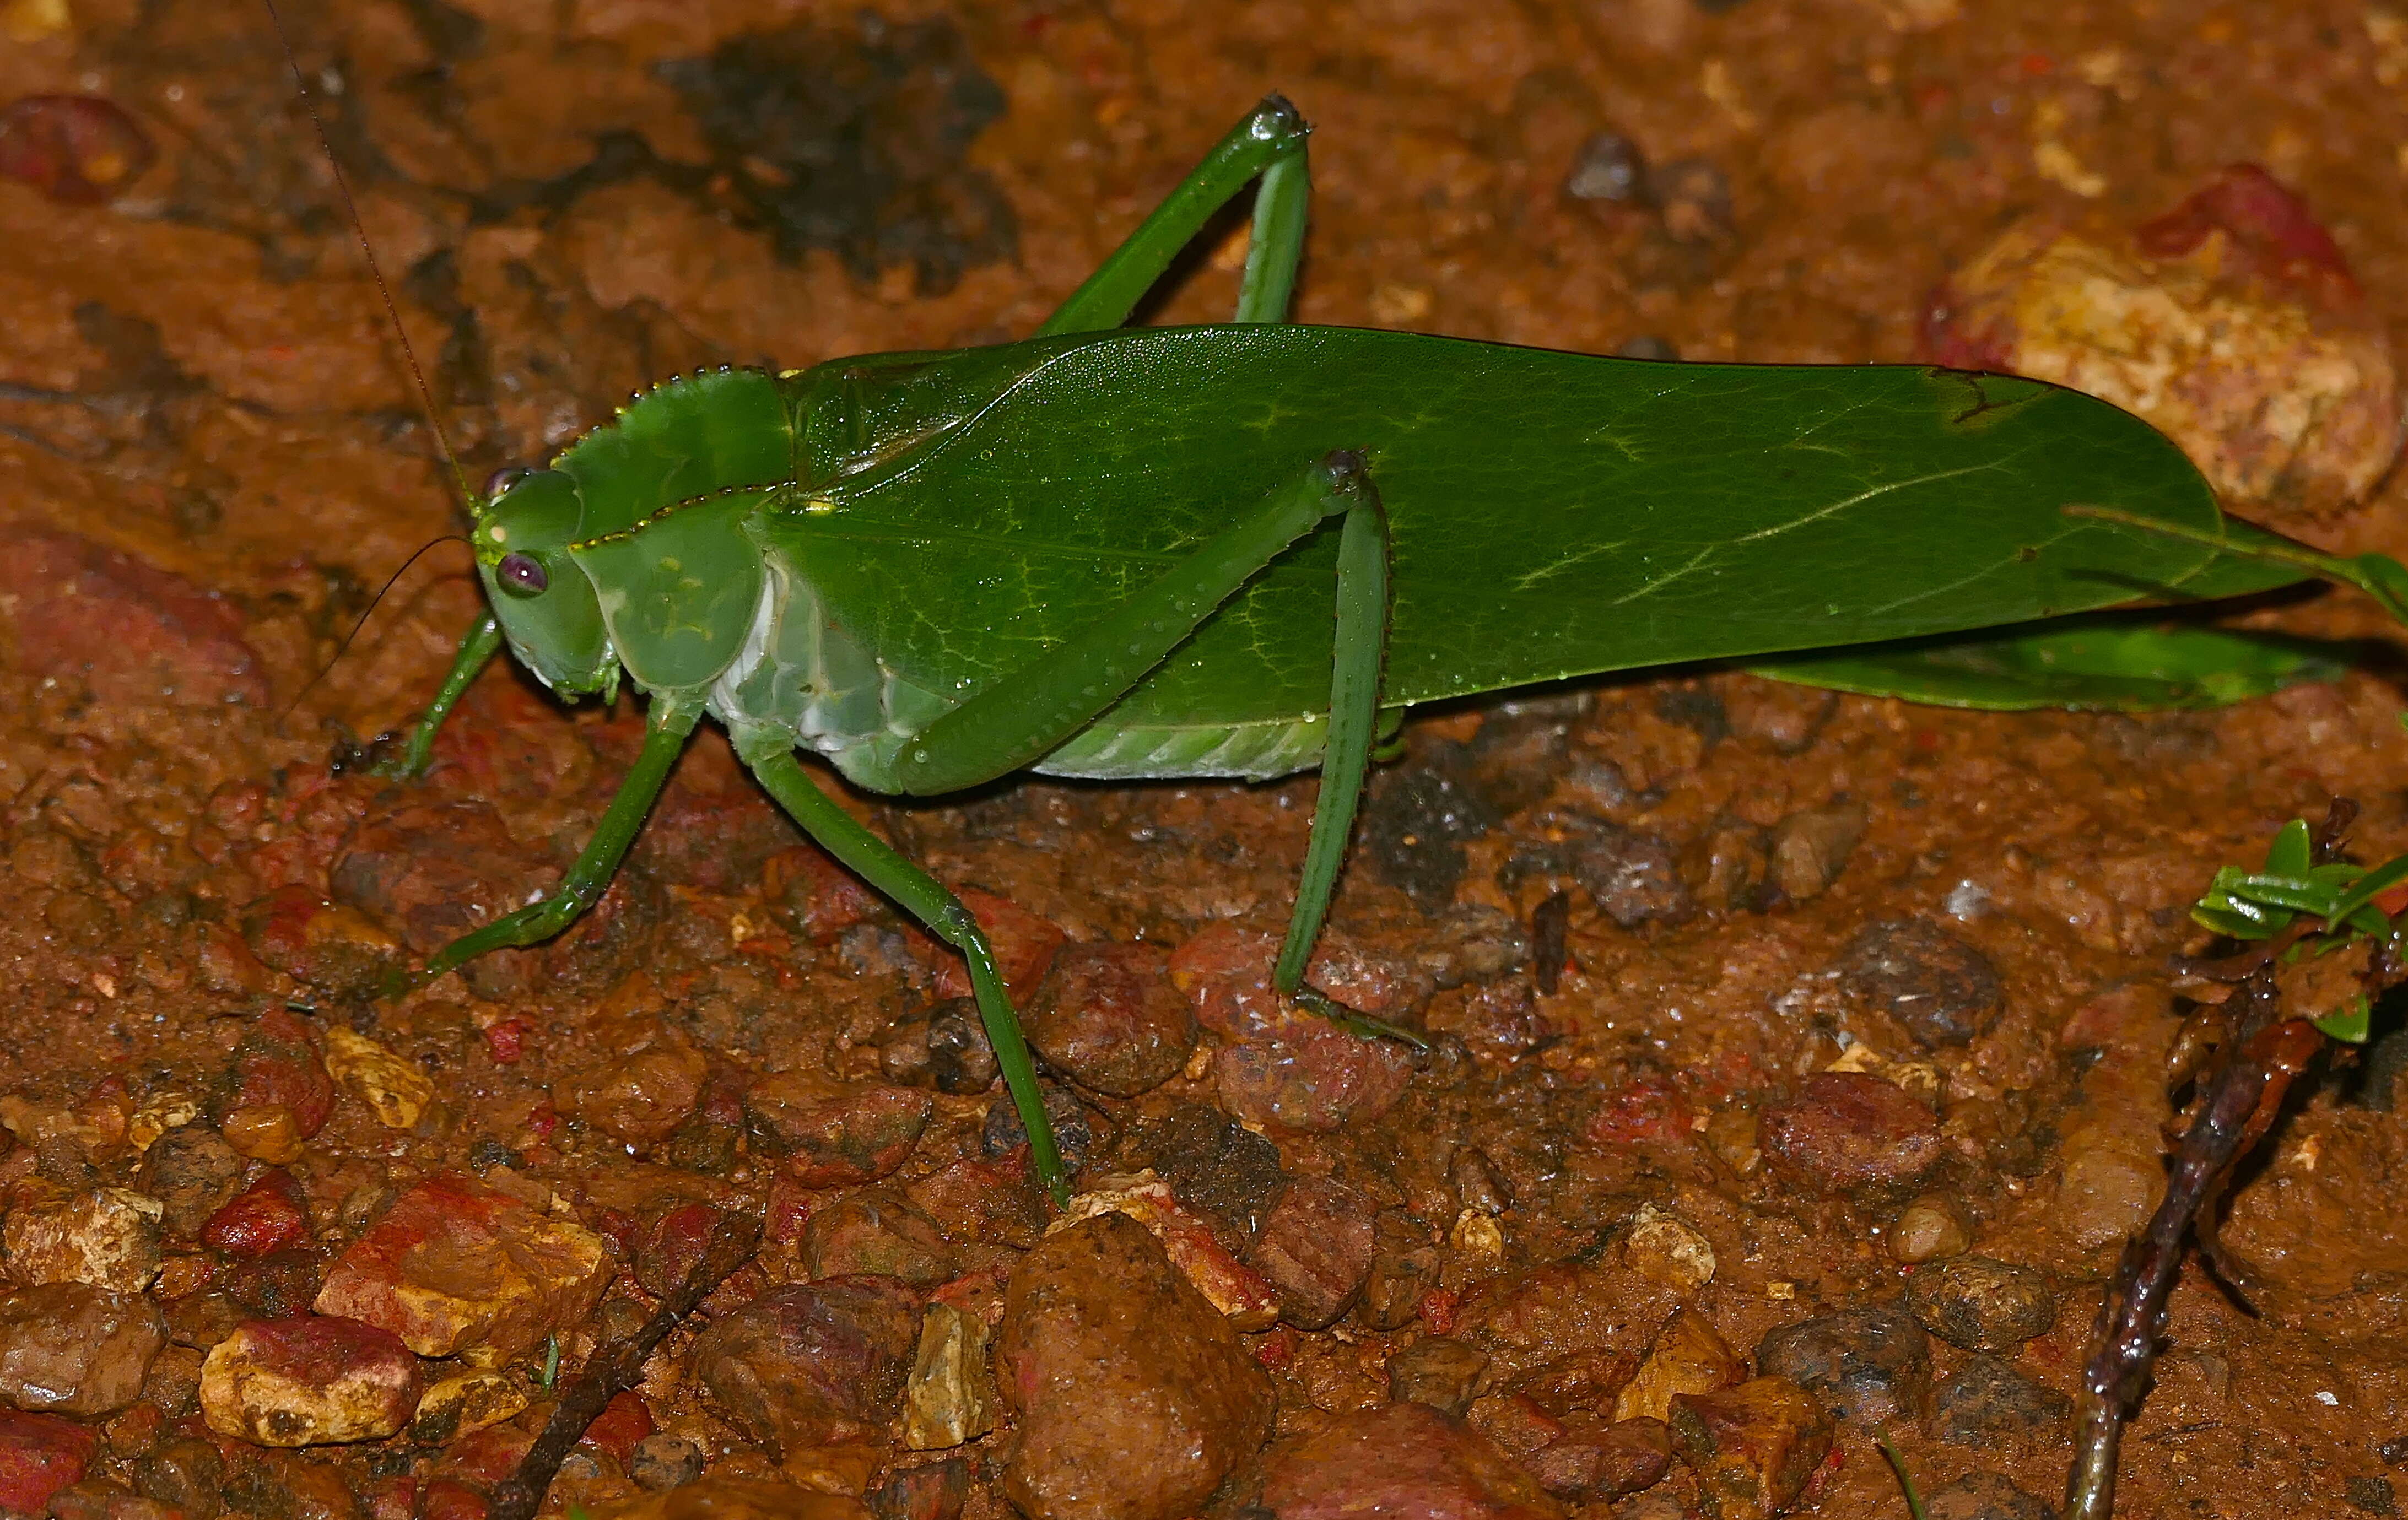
[(1239, 550)]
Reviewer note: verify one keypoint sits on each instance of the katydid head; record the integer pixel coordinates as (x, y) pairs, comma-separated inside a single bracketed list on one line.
[(545, 604)]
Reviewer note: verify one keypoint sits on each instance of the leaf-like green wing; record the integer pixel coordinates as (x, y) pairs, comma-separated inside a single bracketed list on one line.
[(2089, 664), (1552, 514)]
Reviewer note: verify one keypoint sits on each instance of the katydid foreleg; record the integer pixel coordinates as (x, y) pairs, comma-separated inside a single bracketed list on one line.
[(478, 647), (666, 726)]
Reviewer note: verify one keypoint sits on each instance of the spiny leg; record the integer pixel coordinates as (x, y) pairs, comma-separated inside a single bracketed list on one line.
[(1269, 141), (478, 647), (1358, 649), (666, 727), (771, 755)]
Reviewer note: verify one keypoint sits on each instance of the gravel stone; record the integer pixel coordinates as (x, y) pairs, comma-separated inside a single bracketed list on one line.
[(1982, 1304), (1437, 1370), (1871, 1365), (1109, 1018), (308, 1381), (1988, 1400), (1942, 990), (1406, 1459), (70, 1348), (1315, 1247), (1134, 1396), (812, 1366), (1751, 1446), (1849, 1132)]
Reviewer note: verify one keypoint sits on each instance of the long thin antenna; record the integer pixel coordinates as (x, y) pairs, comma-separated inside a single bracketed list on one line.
[(345, 647), (367, 251)]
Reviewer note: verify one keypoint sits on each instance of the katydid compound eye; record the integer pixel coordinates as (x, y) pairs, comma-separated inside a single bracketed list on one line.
[(503, 479), (522, 573)]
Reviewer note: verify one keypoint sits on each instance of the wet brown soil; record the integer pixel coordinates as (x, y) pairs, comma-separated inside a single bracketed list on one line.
[(211, 455)]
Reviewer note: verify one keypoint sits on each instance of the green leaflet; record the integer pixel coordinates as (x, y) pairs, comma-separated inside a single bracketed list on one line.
[(2111, 663), (2260, 904)]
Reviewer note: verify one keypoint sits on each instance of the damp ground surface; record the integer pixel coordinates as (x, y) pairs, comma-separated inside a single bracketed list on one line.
[(1658, 933)]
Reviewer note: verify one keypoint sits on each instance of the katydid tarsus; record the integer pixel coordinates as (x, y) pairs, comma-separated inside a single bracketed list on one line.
[(1241, 551)]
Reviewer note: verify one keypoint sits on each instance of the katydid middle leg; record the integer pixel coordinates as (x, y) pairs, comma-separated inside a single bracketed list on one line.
[(770, 754), (666, 727)]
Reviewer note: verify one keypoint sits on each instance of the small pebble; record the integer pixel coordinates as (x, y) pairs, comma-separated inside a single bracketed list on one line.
[(1687, 1357), (1436, 1370), (1982, 1304), (1109, 1018), (1610, 168), (1942, 990), (1665, 1248), (1931, 1228), (76, 150), (1851, 1132), (70, 1348), (663, 1461), (1751, 1446), (308, 1381), (1988, 1401), (1870, 1363)]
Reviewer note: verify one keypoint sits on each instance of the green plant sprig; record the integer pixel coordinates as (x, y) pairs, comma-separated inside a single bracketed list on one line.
[(2267, 902)]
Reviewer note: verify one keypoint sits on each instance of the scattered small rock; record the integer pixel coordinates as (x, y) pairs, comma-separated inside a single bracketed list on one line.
[(192, 1172), (945, 1047), (1406, 1459), (812, 1366), (70, 1348), (647, 1083), (950, 1398), (1988, 1401), (1591, 1463), (1689, 1355), (1314, 1078), (1315, 1247), (454, 1264), (1023, 944), (1850, 1132), (457, 1405), (1982, 1304), (1931, 1228), (1940, 989), (1437, 1370), (269, 1215), (880, 1232), (1869, 1364), (933, 1491), (1665, 1248), (275, 1067), (186, 1474), (1751, 1446), (107, 1236), (1810, 848), (1406, 1263), (1634, 878), (40, 1455), (1109, 1018), (663, 1461), (1134, 1396), (835, 1134), (1242, 1294), (394, 1088), (308, 1381)]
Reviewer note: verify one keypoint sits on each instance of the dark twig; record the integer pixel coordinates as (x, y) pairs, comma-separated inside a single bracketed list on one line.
[(2239, 1104), (619, 1367)]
